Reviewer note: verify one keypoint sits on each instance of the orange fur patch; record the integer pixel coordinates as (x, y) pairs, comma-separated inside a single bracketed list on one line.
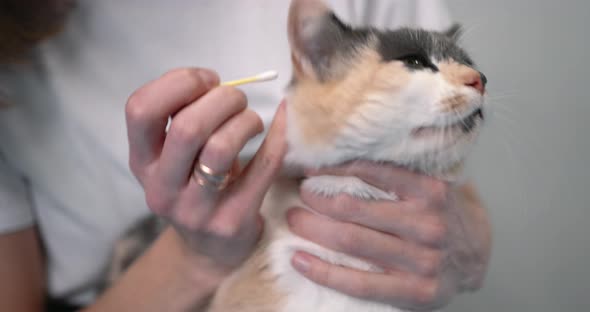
[(250, 289), (322, 109), (454, 103)]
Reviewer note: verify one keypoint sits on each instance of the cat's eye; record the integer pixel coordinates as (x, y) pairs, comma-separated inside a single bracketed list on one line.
[(416, 62)]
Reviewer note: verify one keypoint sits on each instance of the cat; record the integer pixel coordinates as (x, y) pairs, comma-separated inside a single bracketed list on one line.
[(408, 97)]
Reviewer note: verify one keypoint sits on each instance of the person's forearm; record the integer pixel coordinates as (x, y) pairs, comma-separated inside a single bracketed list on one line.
[(166, 278), (22, 282), (475, 254)]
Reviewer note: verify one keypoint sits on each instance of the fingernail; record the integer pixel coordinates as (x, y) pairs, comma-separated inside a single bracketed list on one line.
[(301, 263), (209, 77)]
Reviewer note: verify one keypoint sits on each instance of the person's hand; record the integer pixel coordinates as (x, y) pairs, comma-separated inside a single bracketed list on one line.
[(423, 242), (210, 125)]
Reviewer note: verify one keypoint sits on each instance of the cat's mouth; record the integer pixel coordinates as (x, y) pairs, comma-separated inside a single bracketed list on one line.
[(465, 125)]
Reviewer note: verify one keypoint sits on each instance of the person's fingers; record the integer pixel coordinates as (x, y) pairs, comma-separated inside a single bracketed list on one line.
[(266, 164), (411, 220), (379, 248), (403, 182), (190, 130), (404, 290), (223, 146), (244, 196), (219, 154), (148, 109)]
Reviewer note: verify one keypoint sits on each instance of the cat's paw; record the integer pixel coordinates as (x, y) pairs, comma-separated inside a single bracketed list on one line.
[(330, 186)]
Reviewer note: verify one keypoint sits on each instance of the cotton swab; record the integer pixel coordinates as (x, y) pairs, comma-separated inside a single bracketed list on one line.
[(265, 76)]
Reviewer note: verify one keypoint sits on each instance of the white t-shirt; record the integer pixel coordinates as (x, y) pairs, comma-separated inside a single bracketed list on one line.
[(63, 146)]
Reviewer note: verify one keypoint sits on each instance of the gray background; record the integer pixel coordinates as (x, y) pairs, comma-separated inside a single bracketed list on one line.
[(532, 163)]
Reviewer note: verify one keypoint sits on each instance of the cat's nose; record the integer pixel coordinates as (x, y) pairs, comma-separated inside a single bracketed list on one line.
[(477, 81), (484, 79)]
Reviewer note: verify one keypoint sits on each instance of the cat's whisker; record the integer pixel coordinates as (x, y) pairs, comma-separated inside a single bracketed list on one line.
[(503, 116), (482, 23), (500, 104), (515, 167), (496, 97), (474, 28), (500, 100), (458, 114), (466, 31), (506, 114), (503, 93)]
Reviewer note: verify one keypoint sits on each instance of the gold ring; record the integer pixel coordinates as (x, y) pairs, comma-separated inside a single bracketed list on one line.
[(208, 178)]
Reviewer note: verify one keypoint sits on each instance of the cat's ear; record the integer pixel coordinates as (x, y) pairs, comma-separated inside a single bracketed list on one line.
[(316, 35), (454, 32)]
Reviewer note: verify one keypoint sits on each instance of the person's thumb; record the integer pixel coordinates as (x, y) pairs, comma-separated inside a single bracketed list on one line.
[(247, 192), (266, 164)]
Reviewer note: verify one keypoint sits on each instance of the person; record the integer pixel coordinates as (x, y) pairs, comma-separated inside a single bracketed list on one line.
[(83, 157)]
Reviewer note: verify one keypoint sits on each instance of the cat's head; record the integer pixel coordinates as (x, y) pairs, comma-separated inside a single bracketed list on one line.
[(407, 96)]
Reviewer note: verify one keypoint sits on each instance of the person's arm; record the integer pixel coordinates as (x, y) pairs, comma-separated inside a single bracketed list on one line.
[(22, 276), (168, 277), (219, 227), (189, 280), (22, 282), (213, 230)]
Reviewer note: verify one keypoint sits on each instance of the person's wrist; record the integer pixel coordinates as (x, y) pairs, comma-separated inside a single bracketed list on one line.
[(205, 273)]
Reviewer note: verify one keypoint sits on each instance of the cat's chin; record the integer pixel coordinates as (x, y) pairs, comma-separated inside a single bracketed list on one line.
[(442, 164), (296, 160), (451, 132), (450, 172)]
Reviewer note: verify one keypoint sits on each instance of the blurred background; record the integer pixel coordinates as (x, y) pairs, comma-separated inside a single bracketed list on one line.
[(532, 164)]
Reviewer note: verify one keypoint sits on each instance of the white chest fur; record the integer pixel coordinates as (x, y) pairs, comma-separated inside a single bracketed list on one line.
[(301, 294)]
